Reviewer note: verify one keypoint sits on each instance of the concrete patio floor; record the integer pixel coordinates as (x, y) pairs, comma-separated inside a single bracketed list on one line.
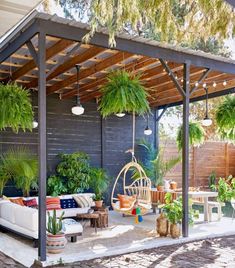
[(122, 236)]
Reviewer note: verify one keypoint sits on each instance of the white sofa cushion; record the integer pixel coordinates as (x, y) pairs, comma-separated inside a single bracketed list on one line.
[(72, 227), (27, 218), (69, 212), (8, 211)]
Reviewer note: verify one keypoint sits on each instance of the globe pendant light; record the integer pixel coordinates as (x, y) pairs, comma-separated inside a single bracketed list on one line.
[(35, 124), (77, 109), (206, 122), (147, 130)]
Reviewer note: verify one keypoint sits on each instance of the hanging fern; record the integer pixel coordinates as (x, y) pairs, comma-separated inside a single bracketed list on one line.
[(196, 135), (123, 92), (225, 118), (16, 109)]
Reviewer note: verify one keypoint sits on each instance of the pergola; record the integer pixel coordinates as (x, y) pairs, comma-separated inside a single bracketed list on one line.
[(42, 52)]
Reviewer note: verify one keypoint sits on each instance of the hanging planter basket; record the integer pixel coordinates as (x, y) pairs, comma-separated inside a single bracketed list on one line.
[(123, 93), (196, 135), (225, 119), (16, 108)]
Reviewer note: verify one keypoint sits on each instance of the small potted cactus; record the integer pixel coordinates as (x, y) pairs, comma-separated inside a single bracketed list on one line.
[(56, 240)]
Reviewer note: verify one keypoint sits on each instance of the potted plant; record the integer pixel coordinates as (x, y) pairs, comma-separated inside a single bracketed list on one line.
[(212, 180), (99, 183), (226, 189), (173, 210), (16, 108), (56, 186), (22, 166), (225, 118), (56, 240), (156, 166), (123, 93), (4, 178), (196, 135)]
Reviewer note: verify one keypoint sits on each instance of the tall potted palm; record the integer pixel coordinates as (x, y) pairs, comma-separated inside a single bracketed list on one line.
[(99, 181)]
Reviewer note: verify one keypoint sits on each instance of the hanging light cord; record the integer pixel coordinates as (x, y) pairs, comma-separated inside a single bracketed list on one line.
[(133, 138), (78, 98), (206, 89)]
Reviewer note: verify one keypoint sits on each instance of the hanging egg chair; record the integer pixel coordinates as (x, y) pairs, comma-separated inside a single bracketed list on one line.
[(140, 188)]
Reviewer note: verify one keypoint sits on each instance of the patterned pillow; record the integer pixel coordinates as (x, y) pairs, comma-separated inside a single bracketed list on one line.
[(18, 201), (68, 203), (31, 202), (53, 203), (83, 201)]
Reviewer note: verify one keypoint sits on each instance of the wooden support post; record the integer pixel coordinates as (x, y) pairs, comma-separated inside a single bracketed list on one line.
[(156, 130), (42, 145), (185, 149)]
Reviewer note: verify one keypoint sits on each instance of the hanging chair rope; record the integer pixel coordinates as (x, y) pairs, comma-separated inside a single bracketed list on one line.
[(133, 137)]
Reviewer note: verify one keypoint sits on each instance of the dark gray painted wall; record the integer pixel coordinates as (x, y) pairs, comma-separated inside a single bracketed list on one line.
[(67, 133)]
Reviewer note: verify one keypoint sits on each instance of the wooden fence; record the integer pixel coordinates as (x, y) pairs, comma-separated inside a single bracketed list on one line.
[(211, 156)]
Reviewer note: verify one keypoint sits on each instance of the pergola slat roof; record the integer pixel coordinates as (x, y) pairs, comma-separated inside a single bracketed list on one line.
[(135, 54)]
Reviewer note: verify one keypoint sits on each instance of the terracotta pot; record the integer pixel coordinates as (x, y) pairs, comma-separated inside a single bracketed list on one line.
[(160, 188), (173, 185), (99, 203), (56, 243), (162, 225), (175, 231)]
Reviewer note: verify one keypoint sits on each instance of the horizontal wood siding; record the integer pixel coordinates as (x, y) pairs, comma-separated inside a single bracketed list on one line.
[(67, 133), (211, 156)]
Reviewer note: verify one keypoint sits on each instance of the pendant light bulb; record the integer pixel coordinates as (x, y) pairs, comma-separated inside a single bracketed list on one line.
[(35, 124), (147, 131), (224, 83), (120, 114), (78, 109)]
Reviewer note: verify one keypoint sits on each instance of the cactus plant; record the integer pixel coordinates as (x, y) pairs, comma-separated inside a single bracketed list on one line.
[(54, 225)]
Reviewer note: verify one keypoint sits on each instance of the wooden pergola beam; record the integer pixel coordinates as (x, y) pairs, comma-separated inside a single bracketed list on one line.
[(107, 63), (70, 63), (30, 65)]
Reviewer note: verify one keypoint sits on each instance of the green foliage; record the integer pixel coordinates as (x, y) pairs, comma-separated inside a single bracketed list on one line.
[(173, 209), (22, 166), (212, 179), (196, 135), (73, 174), (56, 186), (226, 189), (99, 181), (16, 108), (156, 166), (54, 225), (225, 118), (123, 92), (4, 178)]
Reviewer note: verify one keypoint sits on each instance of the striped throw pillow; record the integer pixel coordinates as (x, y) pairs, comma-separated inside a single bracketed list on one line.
[(83, 201), (53, 203)]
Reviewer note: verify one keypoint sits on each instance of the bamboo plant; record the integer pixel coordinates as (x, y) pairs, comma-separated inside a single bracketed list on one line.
[(123, 92), (16, 108), (196, 135)]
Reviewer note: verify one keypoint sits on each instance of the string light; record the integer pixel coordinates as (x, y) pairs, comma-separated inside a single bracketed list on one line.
[(204, 85), (176, 76), (182, 80), (196, 84), (224, 83), (214, 84)]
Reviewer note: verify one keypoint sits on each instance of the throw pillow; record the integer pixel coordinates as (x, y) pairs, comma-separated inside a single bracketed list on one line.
[(53, 203), (83, 201), (126, 201), (30, 202), (68, 203), (18, 201)]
